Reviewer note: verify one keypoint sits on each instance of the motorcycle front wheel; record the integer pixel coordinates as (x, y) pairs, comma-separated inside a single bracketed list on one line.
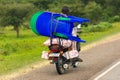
[(59, 66)]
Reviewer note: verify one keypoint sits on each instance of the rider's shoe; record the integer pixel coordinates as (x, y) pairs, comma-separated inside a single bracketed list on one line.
[(80, 60)]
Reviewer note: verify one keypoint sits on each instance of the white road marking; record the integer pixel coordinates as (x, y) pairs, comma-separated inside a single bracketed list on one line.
[(97, 78)]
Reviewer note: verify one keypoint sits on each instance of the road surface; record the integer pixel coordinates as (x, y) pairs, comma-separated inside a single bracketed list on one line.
[(112, 72)]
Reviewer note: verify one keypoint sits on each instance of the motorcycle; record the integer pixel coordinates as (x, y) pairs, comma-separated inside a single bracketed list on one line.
[(58, 56), (63, 57)]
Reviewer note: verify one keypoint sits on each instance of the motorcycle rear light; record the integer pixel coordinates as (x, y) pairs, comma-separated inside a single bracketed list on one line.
[(54, 51), (55, 59), (54, 48)]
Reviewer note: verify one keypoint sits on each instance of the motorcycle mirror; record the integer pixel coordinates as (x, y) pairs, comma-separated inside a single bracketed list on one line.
[(79, 26)]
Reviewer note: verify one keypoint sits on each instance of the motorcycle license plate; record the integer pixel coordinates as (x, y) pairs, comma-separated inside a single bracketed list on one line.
[(54, 54)]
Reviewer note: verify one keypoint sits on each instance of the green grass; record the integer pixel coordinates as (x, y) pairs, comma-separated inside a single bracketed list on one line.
[(16, 53), (94, 36)]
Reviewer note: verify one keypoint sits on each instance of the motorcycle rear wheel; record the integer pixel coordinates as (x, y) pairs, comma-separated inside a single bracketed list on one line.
[(59, 66)]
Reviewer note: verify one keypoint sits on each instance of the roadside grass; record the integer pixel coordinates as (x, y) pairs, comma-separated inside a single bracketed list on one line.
[(16, 53), (19, 52), (94, 36)]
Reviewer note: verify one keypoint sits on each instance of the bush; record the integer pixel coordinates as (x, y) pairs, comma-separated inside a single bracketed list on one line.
[(98, 28), (115, 19), (9, 48)]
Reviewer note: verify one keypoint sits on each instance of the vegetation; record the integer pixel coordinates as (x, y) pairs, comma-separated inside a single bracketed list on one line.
[(21, 10), (18, 52), (102, 26), (97, 35), (15, 15)]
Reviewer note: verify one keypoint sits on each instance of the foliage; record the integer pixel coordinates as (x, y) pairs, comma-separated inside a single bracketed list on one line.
[(115, 19), (93, 36), (41, 4), (95, 10), (97, 28), (17, 52), (15, 15)]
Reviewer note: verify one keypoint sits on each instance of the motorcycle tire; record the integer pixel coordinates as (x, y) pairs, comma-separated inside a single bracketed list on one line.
[(75, 63), (74, 66), (59, 66), (78, 45)]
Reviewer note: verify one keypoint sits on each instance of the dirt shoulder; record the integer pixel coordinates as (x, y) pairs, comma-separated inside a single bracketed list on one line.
[(39, 65)]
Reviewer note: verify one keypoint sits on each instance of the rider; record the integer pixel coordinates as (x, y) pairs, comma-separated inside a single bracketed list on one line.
[(65, 12)]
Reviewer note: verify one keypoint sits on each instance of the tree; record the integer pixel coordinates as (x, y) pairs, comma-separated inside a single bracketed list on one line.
[(76, 10), (41, 4), (93, 12), (110, 7), (15, 15)]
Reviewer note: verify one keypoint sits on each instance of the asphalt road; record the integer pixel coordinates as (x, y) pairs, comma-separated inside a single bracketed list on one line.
[(111, 72), (95, 60)]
